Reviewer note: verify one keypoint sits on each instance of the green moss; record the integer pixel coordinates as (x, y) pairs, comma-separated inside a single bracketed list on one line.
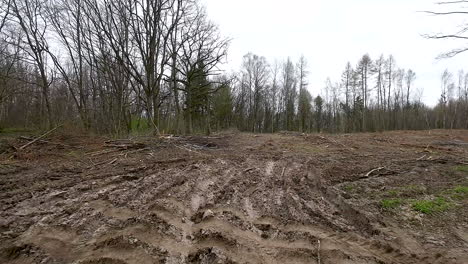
[(431, 206), (462, 168), (461, 189), (348, 188), (390, 203), (460, 192)]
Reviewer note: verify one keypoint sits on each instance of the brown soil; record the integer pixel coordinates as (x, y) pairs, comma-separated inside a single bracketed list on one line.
[(235, 198)]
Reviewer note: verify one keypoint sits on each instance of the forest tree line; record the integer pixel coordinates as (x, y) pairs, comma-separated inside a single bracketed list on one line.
[(123, 66), (372, 95)]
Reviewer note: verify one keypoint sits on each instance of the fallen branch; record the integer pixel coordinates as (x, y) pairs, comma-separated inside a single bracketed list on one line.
[(127, 146), (372, 171), (421, 158), (102, 152), (48, 142), (249, 169), (318, 251), (132, 152), (190, 150), (40, 137), (170, 161), (107, 162)]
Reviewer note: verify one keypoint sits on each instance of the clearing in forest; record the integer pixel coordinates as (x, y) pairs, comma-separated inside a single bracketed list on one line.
[(394, 197)]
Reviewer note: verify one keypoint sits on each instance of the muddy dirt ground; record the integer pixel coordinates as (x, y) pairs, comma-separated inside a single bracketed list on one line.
[(396, 197)]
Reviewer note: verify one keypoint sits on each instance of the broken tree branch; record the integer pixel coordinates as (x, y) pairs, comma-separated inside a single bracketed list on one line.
[(372, 171), (38, 138)]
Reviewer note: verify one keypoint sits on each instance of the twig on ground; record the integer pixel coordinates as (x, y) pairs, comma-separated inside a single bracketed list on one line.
[(190, 150), (48, 142), (318, 252), (282, 173), (132, 152), (102, 152), (427, 148), (372, 171), (108, 162), (421, 158), (38, 138), (249, 169)]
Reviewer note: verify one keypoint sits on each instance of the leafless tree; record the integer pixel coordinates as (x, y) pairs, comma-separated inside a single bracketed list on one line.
[(288, 94), (29, 16), (304, 107), (255, 72), (446, 82), (364, 69), (410, 77), (455, 8), (66, 18), (202, 50), (137, 33), (5, 6)]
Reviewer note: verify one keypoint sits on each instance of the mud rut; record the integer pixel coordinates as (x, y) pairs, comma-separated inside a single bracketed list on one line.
[(206, 206)]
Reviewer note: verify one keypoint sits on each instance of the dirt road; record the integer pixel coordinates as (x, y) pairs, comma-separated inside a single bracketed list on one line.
[(397, 197)]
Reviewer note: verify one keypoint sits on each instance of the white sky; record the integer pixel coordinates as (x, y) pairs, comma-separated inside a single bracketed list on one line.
[(329, 33)]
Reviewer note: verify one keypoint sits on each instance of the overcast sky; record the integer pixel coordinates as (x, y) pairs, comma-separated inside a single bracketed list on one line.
[(331, 33)]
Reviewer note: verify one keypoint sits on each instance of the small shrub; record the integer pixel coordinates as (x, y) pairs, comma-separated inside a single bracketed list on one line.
[(431, 206), (390, 203)]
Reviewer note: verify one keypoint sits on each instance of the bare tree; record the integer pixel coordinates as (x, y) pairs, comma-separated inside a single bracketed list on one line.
[(364, 69), (446, 82), (288, 94), (390, 72), (4, 12), (410, 77), (146, 25), (29, 16), (273, 95), (202, 50), (305, 98), (456, 8), (66, 18)]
